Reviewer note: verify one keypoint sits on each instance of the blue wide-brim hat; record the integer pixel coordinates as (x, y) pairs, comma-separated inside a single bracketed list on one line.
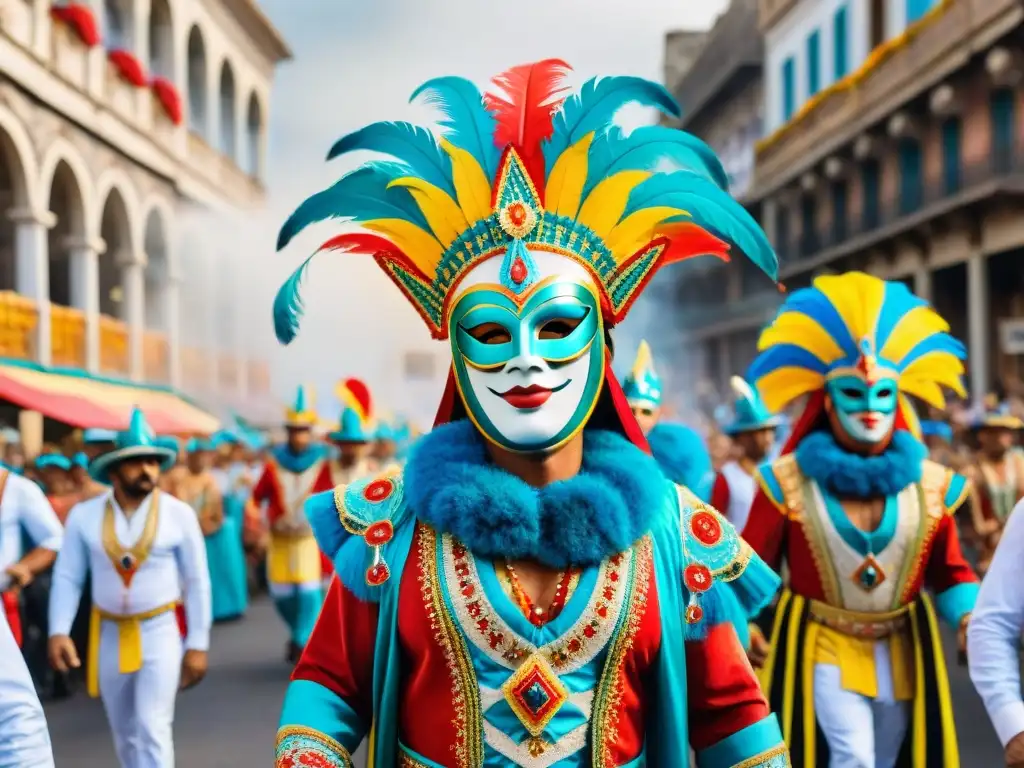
[(750, 412), (938, 429), (53, 461), (97, 435), (137, 442), (351, 429)]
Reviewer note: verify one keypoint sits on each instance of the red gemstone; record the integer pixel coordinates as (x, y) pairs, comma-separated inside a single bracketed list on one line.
[(379, 533), (483, 624), (588, 631), (609, 593), (602, 611), (518, 271), (378, 490), (574, 645), (694, 614), (496, 639), (377, 574), (613, 576), (474, 609), (517, 213), (467, 591), (706, 528), (697, 577)]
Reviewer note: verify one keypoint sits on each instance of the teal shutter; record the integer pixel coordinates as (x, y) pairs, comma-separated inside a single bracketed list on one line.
[(869, 181), (1003, 116), (911, 181), (951, 163), (917, 8), (813, 63), (839, 211), (840, 45), (788, 89)]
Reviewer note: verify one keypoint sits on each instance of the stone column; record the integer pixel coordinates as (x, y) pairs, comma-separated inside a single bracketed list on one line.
[(923, 282), (85, 292), (133, 280), (172, 327), (32, 271), (977, 325)]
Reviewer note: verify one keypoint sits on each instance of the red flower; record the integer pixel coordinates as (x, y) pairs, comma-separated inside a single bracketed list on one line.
[(80, 18), (169, 99), (128, 67), (316, 760)]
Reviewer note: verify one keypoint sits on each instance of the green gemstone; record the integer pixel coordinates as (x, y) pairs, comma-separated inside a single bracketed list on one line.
[(869, 576)]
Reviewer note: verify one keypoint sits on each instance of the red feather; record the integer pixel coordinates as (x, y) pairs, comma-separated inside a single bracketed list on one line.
[(529, 96), (360, 393), (373, 245), (687, 240)]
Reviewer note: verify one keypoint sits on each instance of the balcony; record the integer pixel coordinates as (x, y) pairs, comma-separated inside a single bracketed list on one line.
[(113, 346), (221, 172), (156, 357), (67, 332), (1001, 173), (896, 72), (18, 320)]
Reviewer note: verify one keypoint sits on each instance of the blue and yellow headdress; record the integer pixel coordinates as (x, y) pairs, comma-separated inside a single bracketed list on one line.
[(859, 325), (529, 164), (642, 386), (750, 414), (356, 413), (301, 414)]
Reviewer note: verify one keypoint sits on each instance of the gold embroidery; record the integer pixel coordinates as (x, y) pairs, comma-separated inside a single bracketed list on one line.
[(295, 742), (762, 760), (128, 560), (929, 496)]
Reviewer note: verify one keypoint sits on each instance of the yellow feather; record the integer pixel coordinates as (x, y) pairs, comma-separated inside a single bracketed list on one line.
[(471, 185), (928, 391), (420, 246), (637, 229), (941, 368), (606, 202), (910, 416), (644, 360), (799, 329), (443, 214), (915, 326), (564, 186), (857, 298), (784, 385)]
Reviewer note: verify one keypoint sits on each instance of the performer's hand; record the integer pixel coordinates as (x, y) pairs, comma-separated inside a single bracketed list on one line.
[(21, 575), (1015, 752), (759, 647), (63, 654), (193, 668)]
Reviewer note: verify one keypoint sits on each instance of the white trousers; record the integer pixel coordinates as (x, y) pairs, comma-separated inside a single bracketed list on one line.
[(861, 732), (140, 706)]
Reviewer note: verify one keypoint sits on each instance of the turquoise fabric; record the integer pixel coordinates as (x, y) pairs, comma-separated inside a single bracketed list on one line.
[(314, 706), (298, 463), (757, 739), (956, 602), (308, 602), (955, 490), (770, 481), (287, 608), (862, 542), (226, 560)]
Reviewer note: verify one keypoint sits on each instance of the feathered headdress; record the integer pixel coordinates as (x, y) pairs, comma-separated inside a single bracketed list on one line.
[(642, 386), (355, 394), (856, 323), (530, 163), (750, 414), (301, 413)]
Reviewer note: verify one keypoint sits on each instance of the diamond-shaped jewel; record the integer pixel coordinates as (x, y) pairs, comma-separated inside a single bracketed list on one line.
[(870, 575), (535, 694)]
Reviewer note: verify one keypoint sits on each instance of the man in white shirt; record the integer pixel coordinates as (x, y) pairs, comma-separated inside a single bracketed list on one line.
[(142, 548), (993, 639), (24, 738), (24, 509)]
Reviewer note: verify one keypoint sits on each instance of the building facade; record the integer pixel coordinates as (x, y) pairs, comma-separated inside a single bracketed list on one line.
[(125, 125)]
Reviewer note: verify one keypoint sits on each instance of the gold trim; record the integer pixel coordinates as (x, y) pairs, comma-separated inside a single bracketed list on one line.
[(866, 626), (764, 757), (139, 551), (321, 738), (535, 664), (930, 492)]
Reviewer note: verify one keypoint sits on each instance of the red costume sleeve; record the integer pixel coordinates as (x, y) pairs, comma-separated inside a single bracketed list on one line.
[(947, 566), (723, 692), (339, 653), (720, 493), (765, 531), (264, 487)]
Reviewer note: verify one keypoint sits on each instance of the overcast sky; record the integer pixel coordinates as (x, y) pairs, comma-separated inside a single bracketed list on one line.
[(357, 61)]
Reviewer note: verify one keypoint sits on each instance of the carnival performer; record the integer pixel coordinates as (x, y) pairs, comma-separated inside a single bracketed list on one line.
[(141, 546), (864, 522), (24, 737), (938, 439), (351, 440), (993, 639), (294, 472), (24, 512), (752, 431), (679, 450), (95, 442), (55, 476), (531, 590), (997, 476)]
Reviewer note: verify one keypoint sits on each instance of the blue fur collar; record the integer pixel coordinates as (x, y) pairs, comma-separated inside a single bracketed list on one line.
[(851, 475), (683, 457), (451, 485), (297, 463)]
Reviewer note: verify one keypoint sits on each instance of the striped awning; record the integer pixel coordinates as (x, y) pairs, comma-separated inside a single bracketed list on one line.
[(80, 401)]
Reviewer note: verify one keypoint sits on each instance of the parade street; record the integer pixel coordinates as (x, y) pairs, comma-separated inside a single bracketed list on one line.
[(229, 720)]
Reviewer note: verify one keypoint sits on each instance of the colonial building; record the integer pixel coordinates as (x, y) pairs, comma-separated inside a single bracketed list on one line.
[(118, 119), (893, 145)]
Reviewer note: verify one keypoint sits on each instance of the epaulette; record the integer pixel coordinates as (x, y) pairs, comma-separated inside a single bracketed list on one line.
[(767, 477), (354, 525), (943, 488)]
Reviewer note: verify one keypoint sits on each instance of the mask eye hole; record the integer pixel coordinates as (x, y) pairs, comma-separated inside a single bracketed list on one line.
[(646, 412), (559, 328), (851, 392), (885, 392), (490, 333)]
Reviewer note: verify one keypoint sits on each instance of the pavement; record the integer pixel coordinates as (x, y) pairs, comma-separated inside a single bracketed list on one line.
[(229, 721)]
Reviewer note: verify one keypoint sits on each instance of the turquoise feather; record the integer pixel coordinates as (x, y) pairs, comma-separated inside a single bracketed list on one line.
[(712, 208), (362, 195), (288, 305), (644, 148), (594, 107), (415, 146), (898, 301), (467, 122)]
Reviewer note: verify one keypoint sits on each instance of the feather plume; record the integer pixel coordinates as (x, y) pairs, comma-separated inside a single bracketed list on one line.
[(472, 187), (446, 219), (637, 230), (565, 182), (361, 195), (596, 104), (415, 146), (742, 389), (467, 123), (288, 305), (359, 242), (355, 394), (687, 240), (528, 97), (416, 242), (603, 207), (643, 363)]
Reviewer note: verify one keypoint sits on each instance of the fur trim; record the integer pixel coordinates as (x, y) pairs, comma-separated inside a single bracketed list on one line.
[(847, 474), (682, 456), (451, 484)]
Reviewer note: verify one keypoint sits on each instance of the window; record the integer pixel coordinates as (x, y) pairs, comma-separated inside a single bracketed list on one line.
[(1002, 112), (911, 180), (813, 63), (781, 231), (840, 45), (808, 226), (869, 182), (877, 24), (916, 9), (839, 211), (951, 155), (788, 89)]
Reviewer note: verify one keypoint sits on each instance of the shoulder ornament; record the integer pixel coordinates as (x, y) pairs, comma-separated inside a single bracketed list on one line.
[(370, 509)]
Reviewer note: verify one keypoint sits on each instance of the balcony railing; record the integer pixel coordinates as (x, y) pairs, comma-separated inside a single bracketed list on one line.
[(67, 333), (18, 320), (156, 358), (113, 346)]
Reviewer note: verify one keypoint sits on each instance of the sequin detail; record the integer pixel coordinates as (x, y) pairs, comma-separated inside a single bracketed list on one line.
[(300, 747), (776, 757)]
